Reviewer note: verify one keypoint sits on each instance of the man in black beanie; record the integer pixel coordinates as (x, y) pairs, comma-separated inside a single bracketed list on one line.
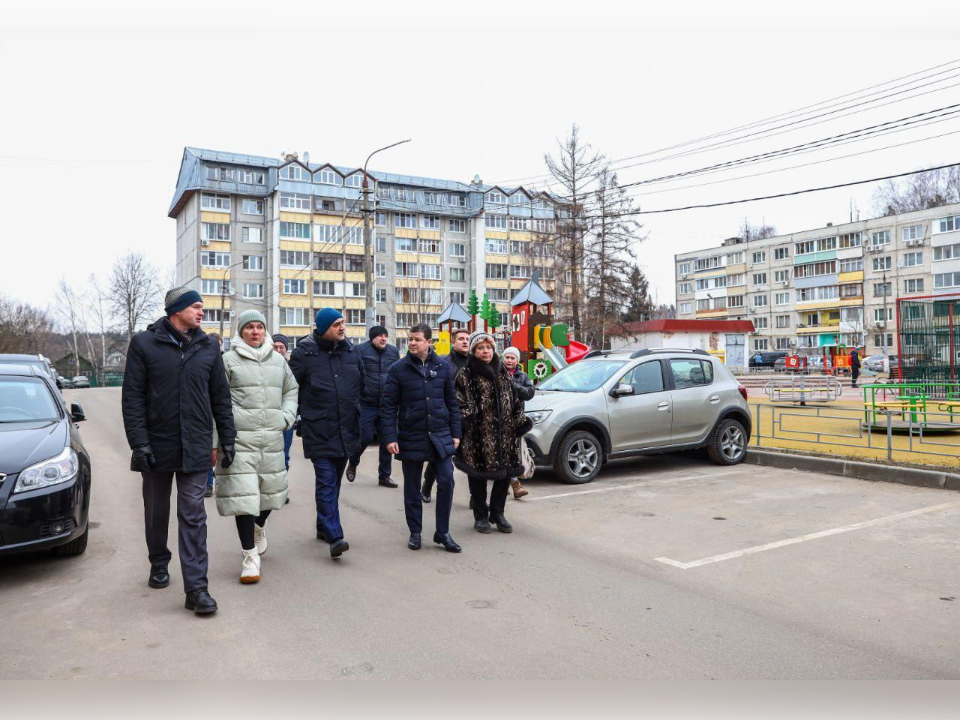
[(378, 355)]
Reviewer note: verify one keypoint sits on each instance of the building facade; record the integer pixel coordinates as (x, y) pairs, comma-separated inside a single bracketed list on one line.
[(285, 236), (836, 286)]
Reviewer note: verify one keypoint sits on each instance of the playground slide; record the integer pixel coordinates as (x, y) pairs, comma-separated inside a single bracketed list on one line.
[(575, 351), (555, 357)]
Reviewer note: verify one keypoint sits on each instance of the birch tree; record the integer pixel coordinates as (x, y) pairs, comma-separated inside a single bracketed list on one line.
[(134, 291)]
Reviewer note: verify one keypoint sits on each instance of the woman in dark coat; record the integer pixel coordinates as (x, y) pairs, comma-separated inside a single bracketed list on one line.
[(493, 423)]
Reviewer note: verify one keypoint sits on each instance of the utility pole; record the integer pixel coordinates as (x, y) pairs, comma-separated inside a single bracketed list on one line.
[(368, 256), (883, 337), (223, 293)]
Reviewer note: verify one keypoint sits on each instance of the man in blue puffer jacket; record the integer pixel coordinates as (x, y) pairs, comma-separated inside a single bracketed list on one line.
[(420, 423)]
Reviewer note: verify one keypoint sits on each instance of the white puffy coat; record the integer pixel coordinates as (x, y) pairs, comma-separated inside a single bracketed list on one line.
[(264, 395)]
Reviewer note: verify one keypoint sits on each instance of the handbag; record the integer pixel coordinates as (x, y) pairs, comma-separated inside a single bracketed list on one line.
[(526, 456)]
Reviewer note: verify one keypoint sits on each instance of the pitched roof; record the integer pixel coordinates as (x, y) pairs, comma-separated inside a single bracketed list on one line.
[(532, 293), (454, 312)]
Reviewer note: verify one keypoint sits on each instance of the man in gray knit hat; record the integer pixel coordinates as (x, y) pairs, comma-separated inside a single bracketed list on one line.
[(174, 391)]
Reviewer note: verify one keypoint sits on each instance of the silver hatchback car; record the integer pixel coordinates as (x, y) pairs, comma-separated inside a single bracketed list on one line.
[(616, 405)]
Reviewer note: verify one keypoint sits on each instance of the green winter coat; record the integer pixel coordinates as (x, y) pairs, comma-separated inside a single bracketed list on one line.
[(264, 396)]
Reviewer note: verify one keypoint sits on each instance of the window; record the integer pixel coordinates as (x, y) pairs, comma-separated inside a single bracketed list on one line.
[(781, 253), (251, 234), (761, 344), (827, 292), (644, 378), (253, 262), (220, 174), (881, 289), (381, 244), (405, 220), (356, 317), (324, 261), (294, 258), (828, 243), (913, 232), (380, 269), (520, 271), (214, 287), (458, 275), (518, 247), (381, 296), (381, 220), (759, 300), (735, 301), (947, 224), (709, 263), (878, 340), (215, 231), (496, 222), (498, 247), (295, 287), (354, 263), (430, 272), (782, 298), (547, 273), (946, 252), (214, 259), (295, 201), (882, 263), (880, 238), (543, 226), (737, 280), (457, 226), (519, 223), (354, 181), (945, 280), (691, 373), (783, 321), (703, 284), (720, 282), (913, 285), (213, 315), (735, 258), (781, 276), (686, 308), (759, 278), (405, 245), (851, 290), (294, 316), (686, 288), (431, 296), (251, 177), (850, 240), (298, 231), (852, 265), (458, 250), (913, 259), (685, 268), (815, 269), (519, 200), (760, 323), (431, 222), (458, 297), (430, 247), (806, 247), (879, 314), (456, 200), (253, 291), (759, 257), (496, 198), (328, 177), (214, 202), (496, 271), (405, 269), (325, 288), (294, 172)]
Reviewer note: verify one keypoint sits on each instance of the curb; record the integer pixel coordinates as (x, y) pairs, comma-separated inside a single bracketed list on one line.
[(848, 468)]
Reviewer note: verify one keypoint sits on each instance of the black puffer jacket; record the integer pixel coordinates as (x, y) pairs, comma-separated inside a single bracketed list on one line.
[(172, 398), (523, 385), (331, 378), (420, 411), (376, 363)]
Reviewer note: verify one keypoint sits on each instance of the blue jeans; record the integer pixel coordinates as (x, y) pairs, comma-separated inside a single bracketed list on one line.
[(413, 502), (370, 424), (210, 478), (287, 442), (329, 472)]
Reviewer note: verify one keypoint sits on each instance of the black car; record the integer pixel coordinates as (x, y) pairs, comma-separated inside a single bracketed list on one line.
[(44, 468), (766, 359)]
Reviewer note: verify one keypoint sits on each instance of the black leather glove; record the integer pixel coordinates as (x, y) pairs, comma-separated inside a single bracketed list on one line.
[(143, 459), (228, 453)]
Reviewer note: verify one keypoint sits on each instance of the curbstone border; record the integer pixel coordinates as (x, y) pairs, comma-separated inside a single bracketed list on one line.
[(917, 477)]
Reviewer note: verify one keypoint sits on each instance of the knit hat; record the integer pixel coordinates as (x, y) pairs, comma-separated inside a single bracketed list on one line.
[(512, 351), (480, 336), (377, 331), (325, 318), (282, 339), (249, 316), (179, 299)]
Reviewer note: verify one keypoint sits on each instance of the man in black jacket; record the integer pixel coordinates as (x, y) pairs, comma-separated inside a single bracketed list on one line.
[(421, 424), (457, 359), (331, 376), (174, 391), (377, 356)]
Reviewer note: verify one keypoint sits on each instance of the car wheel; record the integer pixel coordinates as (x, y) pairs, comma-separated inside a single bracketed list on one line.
[(579, 457), (728, 444), (74, 547)]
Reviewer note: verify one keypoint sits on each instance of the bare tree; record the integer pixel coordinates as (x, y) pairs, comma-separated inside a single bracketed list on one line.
[(135, 291), (748, 232), (23, 328), (574, 169), (930, 189), (69, 316)]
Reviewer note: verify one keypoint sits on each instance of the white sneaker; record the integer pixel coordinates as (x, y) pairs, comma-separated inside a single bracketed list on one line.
[(250, 570), (260, 538)]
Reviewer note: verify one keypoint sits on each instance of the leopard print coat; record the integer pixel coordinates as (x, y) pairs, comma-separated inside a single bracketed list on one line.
[(493, 422)]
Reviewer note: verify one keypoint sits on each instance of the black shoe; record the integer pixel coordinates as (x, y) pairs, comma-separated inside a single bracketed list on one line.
[(387, 482), (414, 542), (159, 577), (351, 472), (321, 535), (338, 548), (426, 498), (208, 492), (482, 526), (448, 542), (200, 602), (287, 501), (501, 522)]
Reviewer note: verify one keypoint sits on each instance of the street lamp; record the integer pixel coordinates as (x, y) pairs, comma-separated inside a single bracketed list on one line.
[(368, 237)]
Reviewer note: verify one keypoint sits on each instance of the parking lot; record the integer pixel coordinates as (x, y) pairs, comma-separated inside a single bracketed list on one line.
[(663, 567)]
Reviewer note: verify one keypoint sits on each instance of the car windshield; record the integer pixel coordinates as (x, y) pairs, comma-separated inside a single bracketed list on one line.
[(24, 399), (584, 376)]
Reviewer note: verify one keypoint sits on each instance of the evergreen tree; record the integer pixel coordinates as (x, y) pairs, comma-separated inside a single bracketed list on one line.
[(485, 311), (473, 305), (638, 305), (493, 317)]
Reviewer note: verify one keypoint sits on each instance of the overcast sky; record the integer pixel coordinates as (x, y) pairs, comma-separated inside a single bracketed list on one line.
[(99, 100)]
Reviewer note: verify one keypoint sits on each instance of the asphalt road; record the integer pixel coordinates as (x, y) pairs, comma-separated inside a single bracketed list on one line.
[(663, 567)]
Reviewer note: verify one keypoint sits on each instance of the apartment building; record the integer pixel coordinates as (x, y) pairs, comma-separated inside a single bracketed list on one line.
[(838, 285), (285, 236)]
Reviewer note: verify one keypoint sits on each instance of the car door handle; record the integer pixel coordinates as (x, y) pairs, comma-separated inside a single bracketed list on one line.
[(663, 406), (714, 399)]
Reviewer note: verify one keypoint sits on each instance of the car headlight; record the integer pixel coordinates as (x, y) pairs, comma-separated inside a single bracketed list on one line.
[(56, 470), (538, 416)]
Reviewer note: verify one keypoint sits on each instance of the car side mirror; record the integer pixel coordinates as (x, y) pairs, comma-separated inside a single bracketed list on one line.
[(76, 413), (621, 390)]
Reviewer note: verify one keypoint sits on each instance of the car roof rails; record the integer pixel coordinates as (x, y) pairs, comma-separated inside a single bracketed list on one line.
[(597, 353), (650, 351)]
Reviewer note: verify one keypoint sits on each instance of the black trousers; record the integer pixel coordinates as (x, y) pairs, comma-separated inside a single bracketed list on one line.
[(191, 523), (245, 528), (498, 496), (429, 478)]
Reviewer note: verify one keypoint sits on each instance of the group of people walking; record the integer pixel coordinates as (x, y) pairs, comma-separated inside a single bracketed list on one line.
[(187, 407)]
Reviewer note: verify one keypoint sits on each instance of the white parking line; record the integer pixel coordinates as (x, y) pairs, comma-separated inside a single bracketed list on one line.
[(646, 483), (804, 538)]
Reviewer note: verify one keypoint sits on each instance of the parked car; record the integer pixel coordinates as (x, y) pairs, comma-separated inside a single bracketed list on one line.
[(65, 383), (780, 365), (766, 359), (37, 361), (616, 405), (81, 381), (44, 467), (879, 363)]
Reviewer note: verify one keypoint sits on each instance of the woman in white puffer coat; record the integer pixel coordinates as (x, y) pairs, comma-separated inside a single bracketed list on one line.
[(264, 396)]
